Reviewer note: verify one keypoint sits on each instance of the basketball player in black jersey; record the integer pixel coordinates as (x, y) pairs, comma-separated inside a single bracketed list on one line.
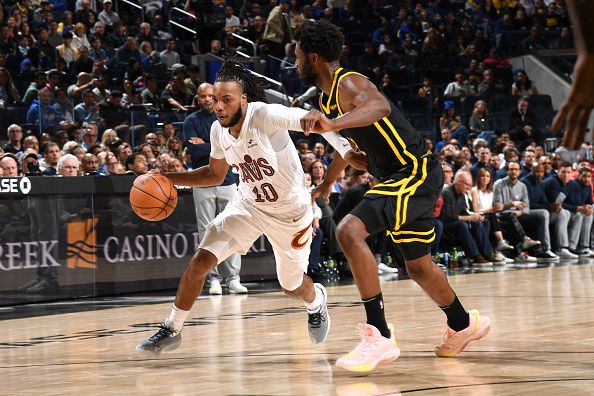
[(402, 203)]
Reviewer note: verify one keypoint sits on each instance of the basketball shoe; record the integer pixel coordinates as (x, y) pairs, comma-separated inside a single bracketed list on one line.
[(165, 339), (371, 351), (318, 323), (454, 342)]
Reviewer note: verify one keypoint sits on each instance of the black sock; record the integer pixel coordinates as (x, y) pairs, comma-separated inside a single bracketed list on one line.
[(457, 315), (374, 307)]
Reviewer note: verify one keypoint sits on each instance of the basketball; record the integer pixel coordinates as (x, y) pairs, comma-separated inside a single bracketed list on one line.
[(153, 197)]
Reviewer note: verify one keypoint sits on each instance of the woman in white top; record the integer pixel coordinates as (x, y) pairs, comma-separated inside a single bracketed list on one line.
[(482, 203), (522, 85), (79, 38)]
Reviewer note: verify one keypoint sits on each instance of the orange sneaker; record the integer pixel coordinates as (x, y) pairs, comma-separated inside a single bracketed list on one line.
[(454, 342), (371, 351)]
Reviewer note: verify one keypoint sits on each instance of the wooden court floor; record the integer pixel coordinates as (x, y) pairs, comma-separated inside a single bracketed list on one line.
[(541, 343)]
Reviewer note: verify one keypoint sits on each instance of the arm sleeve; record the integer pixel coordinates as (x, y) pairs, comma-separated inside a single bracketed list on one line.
[(275, 117), (339, 143), (216, 151), (309, 94)]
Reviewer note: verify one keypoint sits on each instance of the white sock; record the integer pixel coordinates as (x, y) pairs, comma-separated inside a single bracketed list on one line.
[(316, 303), (176, 318)]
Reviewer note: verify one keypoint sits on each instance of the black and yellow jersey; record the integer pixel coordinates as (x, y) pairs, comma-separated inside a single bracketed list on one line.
[(392, 145)]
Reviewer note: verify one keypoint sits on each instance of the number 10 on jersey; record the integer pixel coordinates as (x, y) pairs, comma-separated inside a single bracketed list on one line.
[(265, 193)]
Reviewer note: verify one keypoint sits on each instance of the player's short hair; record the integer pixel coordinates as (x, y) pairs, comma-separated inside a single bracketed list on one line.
[(322, 38), (235, 71)]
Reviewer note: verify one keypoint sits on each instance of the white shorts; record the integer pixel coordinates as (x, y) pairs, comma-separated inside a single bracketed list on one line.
[(237, 227)]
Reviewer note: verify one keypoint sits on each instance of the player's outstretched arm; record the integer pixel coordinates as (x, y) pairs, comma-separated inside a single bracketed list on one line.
[(210, 175), (575, 112)]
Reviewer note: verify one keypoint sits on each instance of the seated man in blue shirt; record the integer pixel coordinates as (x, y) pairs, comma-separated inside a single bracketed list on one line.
[(579, 204)]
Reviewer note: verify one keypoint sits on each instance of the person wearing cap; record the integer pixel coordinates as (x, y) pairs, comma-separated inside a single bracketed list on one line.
[(30, 162), (108, 16), (451, 120), (278, 29)]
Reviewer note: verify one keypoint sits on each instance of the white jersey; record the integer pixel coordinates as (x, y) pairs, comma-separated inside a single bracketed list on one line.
[(271, 176)]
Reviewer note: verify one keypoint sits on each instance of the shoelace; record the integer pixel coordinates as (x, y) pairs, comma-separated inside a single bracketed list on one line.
[(163, 332), (368, 343), (316, 319)]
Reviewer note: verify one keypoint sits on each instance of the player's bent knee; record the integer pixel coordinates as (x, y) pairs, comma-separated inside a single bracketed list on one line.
[(350, 229), (290, 282), (202, 262)]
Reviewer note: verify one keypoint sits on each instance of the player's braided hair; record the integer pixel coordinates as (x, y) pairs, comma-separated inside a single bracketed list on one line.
[(252, 85), (322, 38)]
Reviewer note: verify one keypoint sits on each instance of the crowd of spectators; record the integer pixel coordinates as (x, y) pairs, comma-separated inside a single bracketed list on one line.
[(90, 91)]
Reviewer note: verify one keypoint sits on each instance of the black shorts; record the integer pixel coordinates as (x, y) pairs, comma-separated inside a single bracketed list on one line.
[(402, 205)]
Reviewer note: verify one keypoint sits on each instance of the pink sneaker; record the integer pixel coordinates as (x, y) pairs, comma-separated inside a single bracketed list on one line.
[(371, 351), (454, 342)]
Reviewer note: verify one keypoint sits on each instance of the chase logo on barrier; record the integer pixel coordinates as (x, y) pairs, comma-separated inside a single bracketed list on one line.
[(14, 185)]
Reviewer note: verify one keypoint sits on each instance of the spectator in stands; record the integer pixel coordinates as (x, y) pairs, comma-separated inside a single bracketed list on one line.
[(101, 92), (118, 37), (232, 23), (535, 41), (480, 122), (150, 95), (111, 164), (169, 57), (432, 45), (489, 86), (579, 204), (496, 61), (15, 137), (66, 50), (85, 14), (30, 163), (9, 165), (79, 37), (90, 165), (96, 52), (453, 122), (482, 203), (522, 124), (31, 142), (7, 44), (9, 95), (464, 227), (127, 51), (565, 40), (277, 32), (522, 85), (459, 88), (370, 61), (43, 111), (54, 36), (448, 174), (51, 156), (547, 167), (555, 192), (68, 165), (108, 16), (255, 31), (484, 159), (174, 96), (535, 188), (33, 90), (84, 63), (88, 109), (89, 137), (528, 159)]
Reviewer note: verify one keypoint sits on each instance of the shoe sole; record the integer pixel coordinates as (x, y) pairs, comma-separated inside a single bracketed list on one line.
[(387, 357), (167, 348), (325, 304), (478, 336)]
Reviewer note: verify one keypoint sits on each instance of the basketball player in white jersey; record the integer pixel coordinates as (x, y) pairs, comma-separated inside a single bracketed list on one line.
[(253, 138)]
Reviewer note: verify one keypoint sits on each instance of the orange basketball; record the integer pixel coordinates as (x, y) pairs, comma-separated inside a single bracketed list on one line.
[(153, 197)]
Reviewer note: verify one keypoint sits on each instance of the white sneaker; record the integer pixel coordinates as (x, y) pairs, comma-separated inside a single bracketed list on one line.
[(236, 288), (215, 288), (591, 252), (386, 269), (529, 243), (501, 259), (525, 258), (566, 254), (504, 245)]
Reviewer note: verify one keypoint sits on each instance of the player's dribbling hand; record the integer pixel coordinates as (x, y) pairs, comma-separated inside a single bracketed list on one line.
[(578, 104), (315, 122), (322, 189), (155, 171)]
